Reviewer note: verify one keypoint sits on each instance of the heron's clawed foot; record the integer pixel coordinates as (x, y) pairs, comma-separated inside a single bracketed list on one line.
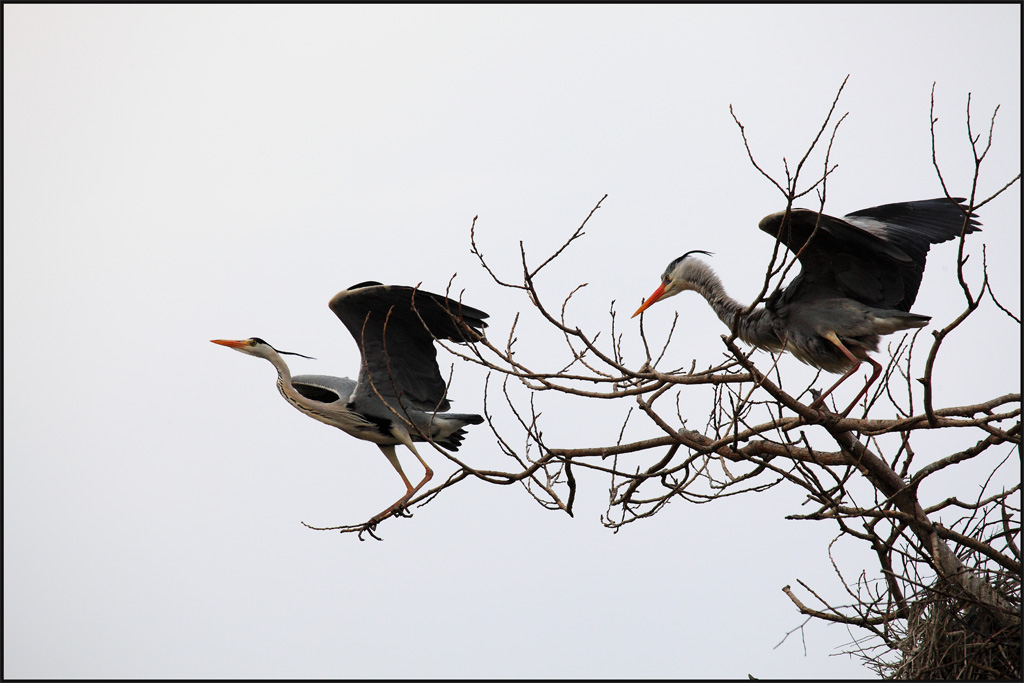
[(399, 509), (360, 529), (824, 413), (823, 410), (818, 404)]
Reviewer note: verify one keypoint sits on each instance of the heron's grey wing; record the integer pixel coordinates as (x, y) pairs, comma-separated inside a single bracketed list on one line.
[(875, 256), (395, 328), (324, 388)]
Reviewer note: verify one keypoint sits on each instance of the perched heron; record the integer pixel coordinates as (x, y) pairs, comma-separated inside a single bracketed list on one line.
[(399, 396), (859, 276)]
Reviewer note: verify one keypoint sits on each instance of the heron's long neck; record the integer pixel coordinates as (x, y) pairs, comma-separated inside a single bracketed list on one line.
[(284, 378), (754, 328)]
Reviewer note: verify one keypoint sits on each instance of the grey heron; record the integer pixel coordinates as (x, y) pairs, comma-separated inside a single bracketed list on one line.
[(399, 396), (859, 276)]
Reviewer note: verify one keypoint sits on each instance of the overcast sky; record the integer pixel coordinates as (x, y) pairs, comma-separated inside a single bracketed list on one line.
[(179, 174)]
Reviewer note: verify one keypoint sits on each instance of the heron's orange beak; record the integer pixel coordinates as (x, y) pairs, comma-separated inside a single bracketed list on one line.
[(230, 343), (653, 298)]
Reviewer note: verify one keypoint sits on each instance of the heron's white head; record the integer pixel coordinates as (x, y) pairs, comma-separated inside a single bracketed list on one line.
[(679, 276), (254, 346)]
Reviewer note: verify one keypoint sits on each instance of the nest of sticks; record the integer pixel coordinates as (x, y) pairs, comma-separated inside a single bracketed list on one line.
[(953, 637)]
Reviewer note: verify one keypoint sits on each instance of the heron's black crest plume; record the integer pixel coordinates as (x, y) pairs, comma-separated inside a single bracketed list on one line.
[(368, 283), (283, 353), (675, 262), (292, 353)]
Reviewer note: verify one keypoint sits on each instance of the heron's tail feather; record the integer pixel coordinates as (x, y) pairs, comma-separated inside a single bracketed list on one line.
[(450, 431), (466, 418)]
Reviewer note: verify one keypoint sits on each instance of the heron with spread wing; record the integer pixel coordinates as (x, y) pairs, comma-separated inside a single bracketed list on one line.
[(399, 396), (859, 276)]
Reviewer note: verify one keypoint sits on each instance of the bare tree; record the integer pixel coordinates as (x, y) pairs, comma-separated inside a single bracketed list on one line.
[(944, 598)]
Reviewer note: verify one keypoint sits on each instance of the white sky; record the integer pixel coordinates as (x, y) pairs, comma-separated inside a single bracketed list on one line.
[(178, 174)]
